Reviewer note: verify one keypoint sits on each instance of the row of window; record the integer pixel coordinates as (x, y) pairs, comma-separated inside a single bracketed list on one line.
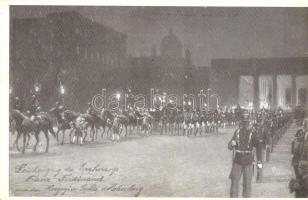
[(109, 59)]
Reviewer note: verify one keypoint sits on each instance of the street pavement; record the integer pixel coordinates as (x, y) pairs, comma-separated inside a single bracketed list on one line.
[(278, 172), (154, 166)]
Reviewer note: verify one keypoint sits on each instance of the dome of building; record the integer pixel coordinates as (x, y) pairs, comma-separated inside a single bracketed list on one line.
[(171, 46)]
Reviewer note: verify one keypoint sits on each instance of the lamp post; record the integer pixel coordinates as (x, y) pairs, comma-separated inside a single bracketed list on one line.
[(62, 92)]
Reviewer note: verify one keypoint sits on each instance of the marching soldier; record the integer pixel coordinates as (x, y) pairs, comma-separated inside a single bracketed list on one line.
[(242, 143), (268, 139), (298, 149), (300, 162)]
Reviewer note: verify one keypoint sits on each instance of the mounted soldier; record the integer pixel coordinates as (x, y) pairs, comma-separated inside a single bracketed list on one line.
[(34, 106), (18, 104)]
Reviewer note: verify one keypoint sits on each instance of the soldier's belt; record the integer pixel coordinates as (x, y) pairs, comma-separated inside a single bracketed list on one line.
[(240, 151)]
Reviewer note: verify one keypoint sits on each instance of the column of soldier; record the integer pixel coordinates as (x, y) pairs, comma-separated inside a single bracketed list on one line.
[(166, 121), (299, 150), (252, 144)]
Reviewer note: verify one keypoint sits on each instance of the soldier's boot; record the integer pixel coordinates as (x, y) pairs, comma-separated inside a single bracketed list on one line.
[(268, 154), (259, 175)]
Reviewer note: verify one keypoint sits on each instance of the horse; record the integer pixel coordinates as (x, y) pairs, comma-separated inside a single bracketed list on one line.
[(93, 121), (25, 125), (64, 120), (107, 119), (156, 118), (105, 124), (132, 120)]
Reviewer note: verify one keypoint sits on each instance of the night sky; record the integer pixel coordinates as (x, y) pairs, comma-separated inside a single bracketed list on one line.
[(208, 32)]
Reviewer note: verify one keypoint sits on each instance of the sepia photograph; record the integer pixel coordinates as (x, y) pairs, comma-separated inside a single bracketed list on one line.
[(158, 101)]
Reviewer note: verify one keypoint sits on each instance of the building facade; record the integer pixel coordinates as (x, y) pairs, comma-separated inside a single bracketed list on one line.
[(170, 70), (263, 82), (63, 48)]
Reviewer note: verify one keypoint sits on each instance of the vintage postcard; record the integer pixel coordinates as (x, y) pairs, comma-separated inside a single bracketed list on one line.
[(156, 101)]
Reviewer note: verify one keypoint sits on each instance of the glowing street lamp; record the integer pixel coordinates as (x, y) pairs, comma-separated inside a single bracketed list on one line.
[(37, 87), (62, 90), (189, 103), (118, 96)]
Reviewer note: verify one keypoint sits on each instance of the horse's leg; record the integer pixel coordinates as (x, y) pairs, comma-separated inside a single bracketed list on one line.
[(85, 134), (103, 132), (52, 132), (36, 134), (16, 140), (57, 134), (28, 135), (63, 134), (92, 132), (70, 136), (125, 131), (97, 130), (47, 140), (24, 143)]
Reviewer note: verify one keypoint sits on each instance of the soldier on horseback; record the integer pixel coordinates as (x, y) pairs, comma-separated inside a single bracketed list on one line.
[(18, 104), (34, 106)]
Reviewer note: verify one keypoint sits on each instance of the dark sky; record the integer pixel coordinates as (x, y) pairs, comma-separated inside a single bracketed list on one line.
[(208, 32)]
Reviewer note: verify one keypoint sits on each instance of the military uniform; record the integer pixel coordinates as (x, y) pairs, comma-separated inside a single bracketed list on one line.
[(34, 106), (295, 149), (258, 130), (242, 144), (300, 162), (17, 104)]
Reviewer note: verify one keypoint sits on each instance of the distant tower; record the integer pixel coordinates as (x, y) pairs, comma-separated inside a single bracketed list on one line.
[(171, 46)]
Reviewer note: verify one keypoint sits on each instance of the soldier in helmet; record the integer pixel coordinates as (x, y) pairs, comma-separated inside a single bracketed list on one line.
[(18, 104), (298, 147), (299, 185), (242, 144), (34, 106)]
